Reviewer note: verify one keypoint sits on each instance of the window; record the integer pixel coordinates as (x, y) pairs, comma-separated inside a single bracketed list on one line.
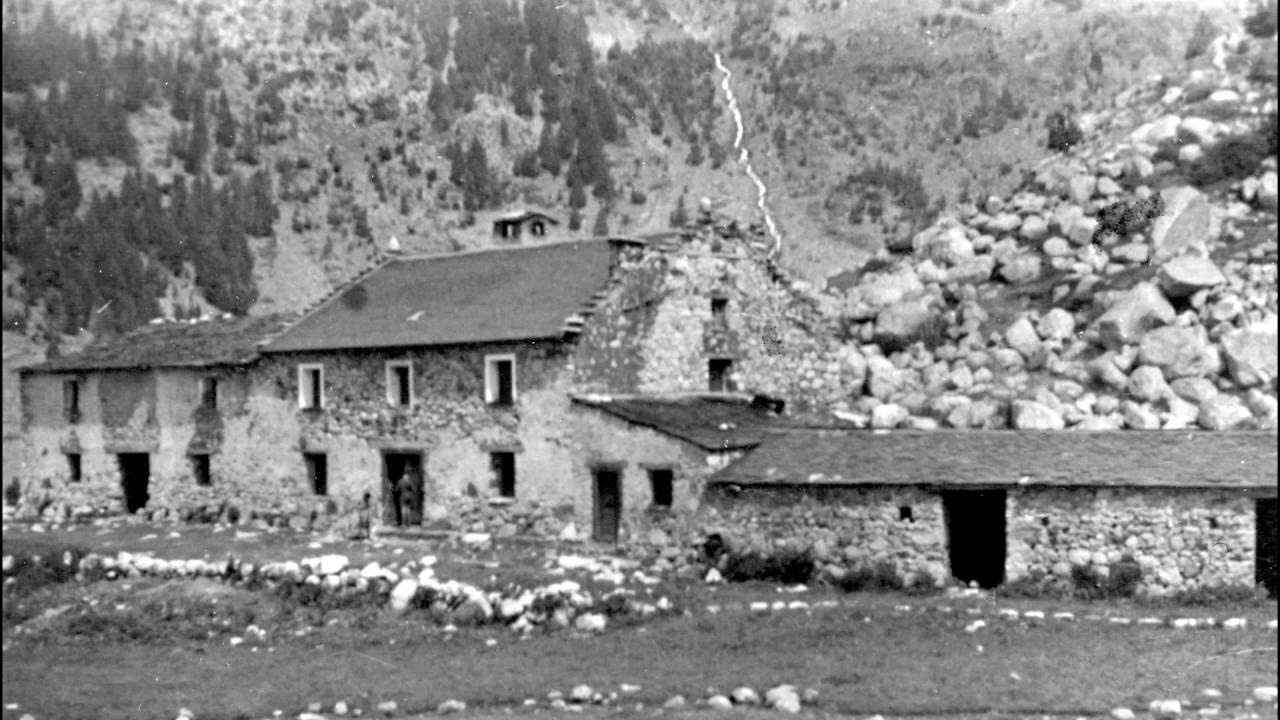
[(200, 469), (661, 480), (718, 375), (74, 472), (400, 383), (500, 379), (318, 471), (718, 307), (71, 400), (209, 392), (538, 229), (904, 513), (504, 473), (311, 387)]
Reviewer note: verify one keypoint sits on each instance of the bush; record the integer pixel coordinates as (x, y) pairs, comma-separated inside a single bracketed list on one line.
[(1063, 132), (1121, 582), (1262, 23), (786, 566), (1233, 158), (39, 564), (883, 576)]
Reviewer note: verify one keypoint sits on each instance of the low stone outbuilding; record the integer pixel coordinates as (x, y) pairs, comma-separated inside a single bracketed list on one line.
[(1193, 510)]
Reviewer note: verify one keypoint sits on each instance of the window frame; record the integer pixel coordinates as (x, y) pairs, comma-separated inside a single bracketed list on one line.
[(670, 474), (392, 380), (305, 387), (71, 411), (492, 393), (202, 469)]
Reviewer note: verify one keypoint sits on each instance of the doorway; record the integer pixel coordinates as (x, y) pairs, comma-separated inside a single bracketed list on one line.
[(1265, 546), (135, 479), (608, 504), (402, 489), (976, 535)]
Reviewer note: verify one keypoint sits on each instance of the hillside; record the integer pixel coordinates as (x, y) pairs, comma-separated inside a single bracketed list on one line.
[(181, 158)]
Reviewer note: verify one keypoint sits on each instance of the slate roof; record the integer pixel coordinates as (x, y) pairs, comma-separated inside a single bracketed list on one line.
[(173, 344), (524, 214), (1097, 459), (716, 422), (492, 295)]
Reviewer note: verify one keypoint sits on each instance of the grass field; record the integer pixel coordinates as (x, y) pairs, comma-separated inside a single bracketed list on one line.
[(865, 657)]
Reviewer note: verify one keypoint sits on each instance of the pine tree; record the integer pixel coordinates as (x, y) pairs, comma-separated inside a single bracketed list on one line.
[(199, 145), (680, 216), (548, 150), (225, 133), (601, 227)]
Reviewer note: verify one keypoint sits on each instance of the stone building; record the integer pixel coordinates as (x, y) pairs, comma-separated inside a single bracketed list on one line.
[(144, 421), (532, 226), (1192, 509), (440, 386)]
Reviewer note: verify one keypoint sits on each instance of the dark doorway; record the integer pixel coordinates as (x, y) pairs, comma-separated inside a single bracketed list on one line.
[(402, 481), (608, 505), (318, 470), (1265, 560), (975, 535), (135, 477)]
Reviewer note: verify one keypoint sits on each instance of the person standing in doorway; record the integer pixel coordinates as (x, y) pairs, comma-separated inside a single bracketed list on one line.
[(407, 490)]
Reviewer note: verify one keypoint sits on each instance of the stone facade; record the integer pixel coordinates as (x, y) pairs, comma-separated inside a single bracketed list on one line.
[(1183, 539)]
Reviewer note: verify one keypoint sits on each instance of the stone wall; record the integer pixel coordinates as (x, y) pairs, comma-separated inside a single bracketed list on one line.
[(656, 330), (845, 527), (1183, 539), (605, 441)]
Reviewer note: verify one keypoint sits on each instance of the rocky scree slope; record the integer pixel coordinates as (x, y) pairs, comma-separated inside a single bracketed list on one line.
[(1042, 310)]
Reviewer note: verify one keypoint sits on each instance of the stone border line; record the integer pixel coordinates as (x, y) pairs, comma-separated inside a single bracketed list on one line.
[(1011, 614)]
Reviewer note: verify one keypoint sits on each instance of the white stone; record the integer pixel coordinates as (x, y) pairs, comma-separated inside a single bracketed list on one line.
[(475, 538), (581, 693), (1021, 336), (745, 696), (1057, 324), (1184, 275), (569, 533), (719, 702), (451, 706), (1198, 130), (1057, 247), (1122, 713), (1165, 708), (713, 577), (332, 564), (1132, 314), (1250, 353), (1031, 415), (1266, 195), (589, 622), (402, 594), (1265, 693), (888, 416), (1224, 412)]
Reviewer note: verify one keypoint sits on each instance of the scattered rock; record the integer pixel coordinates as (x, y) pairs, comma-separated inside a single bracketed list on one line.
[(745, 696), (719, 702), (1250, 353), (1180, 352), (1224, 412), (451, 706), (1183, 276), (1133, 313), (1187, 223), (1031, 415), (1122, 713)]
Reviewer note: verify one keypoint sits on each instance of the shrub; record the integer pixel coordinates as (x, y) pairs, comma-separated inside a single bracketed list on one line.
[(1063, 132), (1227, 595), (1121, 581), (883, 576), (786, 566), (39, 564), (1262, 23), (1232, 158)]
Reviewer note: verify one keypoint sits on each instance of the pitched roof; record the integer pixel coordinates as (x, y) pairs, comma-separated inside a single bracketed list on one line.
[(173, 344), (524, 214), (492, 295), (1066, 458), (719, 421)]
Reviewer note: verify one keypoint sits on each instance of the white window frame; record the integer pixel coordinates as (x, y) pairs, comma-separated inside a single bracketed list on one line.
[(393, 396), (491, 377), (304, 386)]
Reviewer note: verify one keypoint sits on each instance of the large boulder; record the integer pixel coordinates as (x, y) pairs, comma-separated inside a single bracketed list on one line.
[(948, 247), (901, 322), (1188, 223), (1132, 314), (1180, 352), (1031, 415), (1019, 268), (888, 415), (1022, 336), (1057, 324), (1224, 412), (1183, 276), (1250, 353), (1148, 383), (879, 289)]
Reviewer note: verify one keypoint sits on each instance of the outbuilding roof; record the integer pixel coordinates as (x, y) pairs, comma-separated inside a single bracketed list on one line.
[(1065, 458), (172, 344), (492, 295), (711, 421)]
